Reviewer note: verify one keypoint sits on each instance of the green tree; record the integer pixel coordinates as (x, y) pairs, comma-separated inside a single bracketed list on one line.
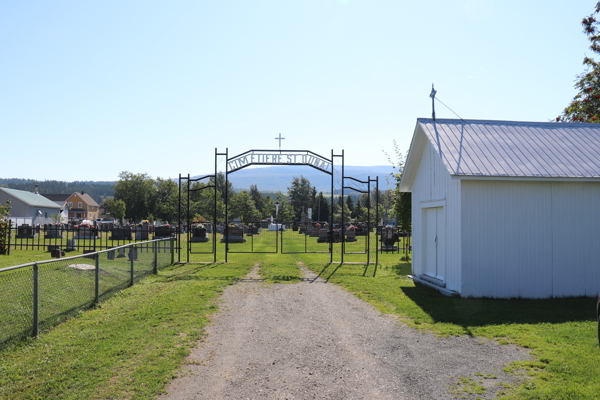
[(401, 202), (115, 207), (300, 196), (338, 214), (4, 225), (321, 209), (356, 209), (137, 192), (350, 205), (268, 208), (243, 207), (166, 199), (585, 106), (256, 196)]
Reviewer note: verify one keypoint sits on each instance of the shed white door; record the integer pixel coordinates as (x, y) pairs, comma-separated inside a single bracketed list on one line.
[(433, 242)]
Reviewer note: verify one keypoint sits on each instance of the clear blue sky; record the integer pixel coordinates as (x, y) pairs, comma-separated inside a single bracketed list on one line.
[(90, 89)]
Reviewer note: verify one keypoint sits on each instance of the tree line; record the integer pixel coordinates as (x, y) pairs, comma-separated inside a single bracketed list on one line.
[(139, 197)]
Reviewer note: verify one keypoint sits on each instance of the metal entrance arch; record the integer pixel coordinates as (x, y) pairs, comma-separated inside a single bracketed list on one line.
[(271, 157), (234, 235)]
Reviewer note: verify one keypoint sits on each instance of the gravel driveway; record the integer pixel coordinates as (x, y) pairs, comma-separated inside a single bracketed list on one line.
[(313, 340)]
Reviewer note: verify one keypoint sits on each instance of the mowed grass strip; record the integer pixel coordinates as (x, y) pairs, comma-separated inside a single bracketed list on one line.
[(561, 333), (282, 269), (128, 347)]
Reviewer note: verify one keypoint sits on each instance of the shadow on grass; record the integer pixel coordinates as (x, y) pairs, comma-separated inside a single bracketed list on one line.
[(468, 312), (402, 268)]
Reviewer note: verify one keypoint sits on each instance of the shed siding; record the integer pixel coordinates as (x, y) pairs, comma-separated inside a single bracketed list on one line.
[(530, 239), (433, 182), (17, 207)]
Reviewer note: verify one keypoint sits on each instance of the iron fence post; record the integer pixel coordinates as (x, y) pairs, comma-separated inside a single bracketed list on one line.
[(97, 279), (172, 252), (155, 249), (36, 300), (132, 257)]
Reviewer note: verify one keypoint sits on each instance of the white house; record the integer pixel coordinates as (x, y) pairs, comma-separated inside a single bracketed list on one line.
[(505, 209), (30, 208)]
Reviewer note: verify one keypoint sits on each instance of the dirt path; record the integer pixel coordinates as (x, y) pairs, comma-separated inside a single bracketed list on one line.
[(313, 340)]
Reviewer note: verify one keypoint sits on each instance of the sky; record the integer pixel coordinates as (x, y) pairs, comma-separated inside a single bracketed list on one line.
[(91, 89)]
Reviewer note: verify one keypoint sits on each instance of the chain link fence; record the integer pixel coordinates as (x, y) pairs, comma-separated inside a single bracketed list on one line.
[(38, 296)]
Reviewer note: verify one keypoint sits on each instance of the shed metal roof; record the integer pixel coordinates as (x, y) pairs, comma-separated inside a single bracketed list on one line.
[(519, 149), (509, 149), (31, 199)]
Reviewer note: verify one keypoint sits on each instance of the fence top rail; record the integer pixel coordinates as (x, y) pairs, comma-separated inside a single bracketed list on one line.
[(83, 255)]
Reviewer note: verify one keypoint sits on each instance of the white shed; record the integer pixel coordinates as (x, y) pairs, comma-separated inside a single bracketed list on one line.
[(29, 208), (505, 209)]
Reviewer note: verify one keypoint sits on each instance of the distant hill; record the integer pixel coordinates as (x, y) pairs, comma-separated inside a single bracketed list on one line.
[(278, 178)]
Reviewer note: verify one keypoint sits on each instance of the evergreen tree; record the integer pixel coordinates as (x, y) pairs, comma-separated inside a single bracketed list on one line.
[(256, 196), (350, 205), (585, 106), (300, 196), (321, 213)]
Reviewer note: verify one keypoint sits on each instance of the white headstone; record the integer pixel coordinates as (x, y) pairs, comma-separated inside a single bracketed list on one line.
[(310, 213)]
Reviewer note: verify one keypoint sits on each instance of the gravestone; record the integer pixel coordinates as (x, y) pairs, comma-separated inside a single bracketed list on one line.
[(161, 232), (351, 235), (132, 255), (52, 232), (121, 253), (122, 233), (199, 235), (388, 238), (86, 232), (323, 235), (314, 231), (57, 253), (236, 235), (25, 231), (71, 245), (361, 229), (52, 247), (141, 233), (110, 255)]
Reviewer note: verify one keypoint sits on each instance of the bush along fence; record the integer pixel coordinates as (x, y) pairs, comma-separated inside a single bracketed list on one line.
[(5, 236), (83, 237), (39, 295)]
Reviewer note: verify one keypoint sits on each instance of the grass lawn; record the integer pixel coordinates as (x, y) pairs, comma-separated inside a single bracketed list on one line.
[(132, 344)]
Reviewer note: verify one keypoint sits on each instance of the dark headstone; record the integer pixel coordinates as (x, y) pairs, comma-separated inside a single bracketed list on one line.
[(52, 232), (121, 233), (235, 235), (25, 231), (161, 232), (199, 235), (57, 253)]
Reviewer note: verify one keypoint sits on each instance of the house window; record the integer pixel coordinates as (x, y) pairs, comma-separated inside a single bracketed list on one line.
[(45, 215), (80, 205), (70, 205)]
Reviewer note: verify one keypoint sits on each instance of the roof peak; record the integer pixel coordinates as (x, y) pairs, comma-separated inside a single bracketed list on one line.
[(504, 122)]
